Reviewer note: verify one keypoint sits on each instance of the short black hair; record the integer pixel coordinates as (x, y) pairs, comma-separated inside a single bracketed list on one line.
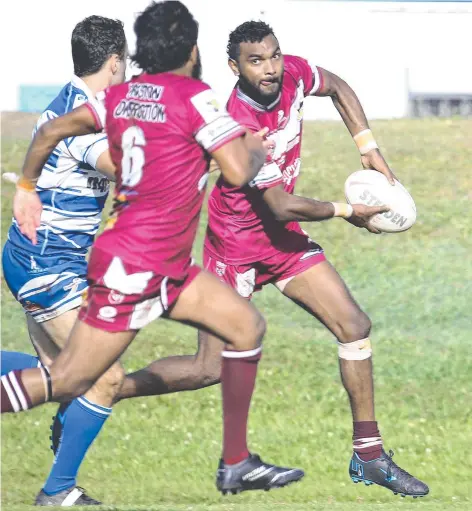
[(166, 32), (248, 32), (94, 40)]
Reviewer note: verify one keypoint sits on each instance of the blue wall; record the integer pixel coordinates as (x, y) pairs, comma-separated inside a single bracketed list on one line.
[(35, 98)]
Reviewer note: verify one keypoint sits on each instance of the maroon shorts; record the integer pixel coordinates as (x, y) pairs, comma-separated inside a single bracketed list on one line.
[(123, 297), (278, 269)]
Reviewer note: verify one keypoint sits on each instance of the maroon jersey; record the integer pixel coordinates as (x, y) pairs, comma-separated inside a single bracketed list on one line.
[(161, 129), (241, 228)]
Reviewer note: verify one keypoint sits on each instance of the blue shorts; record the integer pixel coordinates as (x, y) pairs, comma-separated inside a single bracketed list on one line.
[(47, 286)]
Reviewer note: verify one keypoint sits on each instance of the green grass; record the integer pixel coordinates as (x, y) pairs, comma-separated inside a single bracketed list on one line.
[(161, 453)]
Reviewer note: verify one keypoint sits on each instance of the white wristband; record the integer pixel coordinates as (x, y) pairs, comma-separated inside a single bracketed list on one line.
[(365, 141), (343, 210)]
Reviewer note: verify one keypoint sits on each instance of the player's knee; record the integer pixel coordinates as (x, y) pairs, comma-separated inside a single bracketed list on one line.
[(67, 385), (252, 333), (356, 326), (108, 385)]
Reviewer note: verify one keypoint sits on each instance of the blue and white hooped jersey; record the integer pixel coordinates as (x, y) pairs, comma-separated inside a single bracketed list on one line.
[(73, 193)]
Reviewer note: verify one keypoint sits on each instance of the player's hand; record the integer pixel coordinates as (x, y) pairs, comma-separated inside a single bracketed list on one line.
[(374, 160), (362, 214), (258, 134), (256, 141), (261, 135), (266, 143), (27, 209)]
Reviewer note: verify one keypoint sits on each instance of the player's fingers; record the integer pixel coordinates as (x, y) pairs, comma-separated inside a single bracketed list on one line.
[(31, 233), (372, 229), (23, 222), (384, 169), (21, 226), (263, 132), (35, 223), (389, 175), (25, 230), (20, 216), (37, 219), (33, 236), (375, 210), (394, 177), (375, 161), (26, 227)]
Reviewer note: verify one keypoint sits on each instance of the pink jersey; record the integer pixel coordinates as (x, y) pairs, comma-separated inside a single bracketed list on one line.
[(161, 129), (241, 228)]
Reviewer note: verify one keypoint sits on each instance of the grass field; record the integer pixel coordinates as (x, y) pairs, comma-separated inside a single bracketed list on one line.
[(161, 453)]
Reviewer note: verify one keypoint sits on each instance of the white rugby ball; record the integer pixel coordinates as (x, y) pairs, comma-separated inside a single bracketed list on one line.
[(372, 188)]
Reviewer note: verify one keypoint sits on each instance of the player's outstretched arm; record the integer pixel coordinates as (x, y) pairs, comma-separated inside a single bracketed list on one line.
[(352, 113), (288, 208), (242, 158)]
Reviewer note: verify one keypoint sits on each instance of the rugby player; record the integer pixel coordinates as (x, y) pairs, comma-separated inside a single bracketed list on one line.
[(254, 238), (162, 126), (48, 276)]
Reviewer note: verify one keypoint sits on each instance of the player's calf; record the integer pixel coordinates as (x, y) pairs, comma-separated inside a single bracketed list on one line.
[(177, 373), (208, 360), (25, 389)]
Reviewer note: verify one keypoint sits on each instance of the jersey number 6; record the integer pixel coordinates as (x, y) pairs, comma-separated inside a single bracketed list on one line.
[(132, 162)]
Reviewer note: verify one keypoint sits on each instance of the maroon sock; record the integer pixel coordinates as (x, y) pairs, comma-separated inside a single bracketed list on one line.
[(367, 442), (238, 376), (15, 398)]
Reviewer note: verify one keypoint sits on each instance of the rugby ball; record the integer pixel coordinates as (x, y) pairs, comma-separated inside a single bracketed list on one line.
[(372, 188)]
